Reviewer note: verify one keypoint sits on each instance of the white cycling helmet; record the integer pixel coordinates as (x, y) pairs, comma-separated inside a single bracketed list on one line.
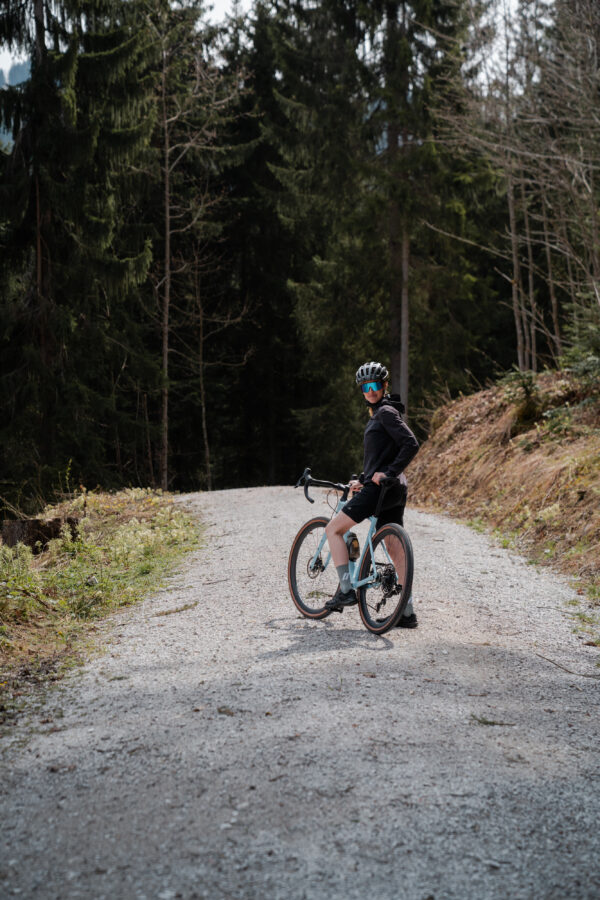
[(371, 371)]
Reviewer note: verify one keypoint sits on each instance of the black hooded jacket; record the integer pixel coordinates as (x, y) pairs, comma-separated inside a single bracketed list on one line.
[(389, 444)]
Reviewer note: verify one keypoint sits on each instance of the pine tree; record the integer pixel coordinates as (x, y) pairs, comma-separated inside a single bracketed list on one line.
[(322, 145), (364, 174), (257, 437), (71, 253), (410, 52)]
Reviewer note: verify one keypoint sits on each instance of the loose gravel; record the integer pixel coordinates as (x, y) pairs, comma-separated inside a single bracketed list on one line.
[(224, 747)]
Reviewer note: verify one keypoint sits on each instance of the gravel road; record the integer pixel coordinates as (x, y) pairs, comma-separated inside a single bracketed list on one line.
[(223, 747)]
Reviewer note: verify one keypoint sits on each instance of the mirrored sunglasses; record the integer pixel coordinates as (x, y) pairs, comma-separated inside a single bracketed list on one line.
[(371, 386)]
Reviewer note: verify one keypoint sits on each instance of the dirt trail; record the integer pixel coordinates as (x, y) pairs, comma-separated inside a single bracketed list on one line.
[(223, 747)]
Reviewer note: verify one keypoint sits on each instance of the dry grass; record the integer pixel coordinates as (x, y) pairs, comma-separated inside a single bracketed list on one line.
[(522, 458)]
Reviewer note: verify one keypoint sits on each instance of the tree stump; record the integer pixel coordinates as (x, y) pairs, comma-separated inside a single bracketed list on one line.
[(35, 532)]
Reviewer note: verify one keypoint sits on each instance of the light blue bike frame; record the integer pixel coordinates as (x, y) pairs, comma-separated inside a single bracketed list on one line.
[(353, 566)]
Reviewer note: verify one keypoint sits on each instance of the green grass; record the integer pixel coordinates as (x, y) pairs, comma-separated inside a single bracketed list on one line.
[(508, 540), (593, 591), (121, 551), (478, 525)]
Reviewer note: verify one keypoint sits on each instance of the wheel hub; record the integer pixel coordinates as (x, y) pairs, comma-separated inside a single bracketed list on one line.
[(316, 570)]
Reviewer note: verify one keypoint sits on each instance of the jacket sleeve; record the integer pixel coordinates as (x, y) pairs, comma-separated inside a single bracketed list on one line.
[(405, 442)]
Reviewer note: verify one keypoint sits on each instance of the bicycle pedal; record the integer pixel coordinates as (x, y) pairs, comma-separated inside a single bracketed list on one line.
[(339, 608)]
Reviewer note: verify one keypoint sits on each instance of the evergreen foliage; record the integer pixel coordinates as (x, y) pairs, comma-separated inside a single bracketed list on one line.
[(72, 257), (204, 231)]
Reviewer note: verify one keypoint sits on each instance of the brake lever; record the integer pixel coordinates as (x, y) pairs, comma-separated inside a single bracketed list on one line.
[(305, 480), (303, 477)]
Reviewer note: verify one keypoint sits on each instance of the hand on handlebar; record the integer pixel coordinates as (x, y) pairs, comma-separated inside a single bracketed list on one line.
[(355, 486), (384, 481)]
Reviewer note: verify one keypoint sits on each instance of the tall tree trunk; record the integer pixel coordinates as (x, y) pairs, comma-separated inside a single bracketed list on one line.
[(399, 236), (551, 285), (595, 255), (40, 31), (164, 457), (41, 283), (525, 325), (148, 441), (399, 302), (516, 275), (404, 316), (202, 385), (520, 324), (530, 285), (573, 287), (396, 295), (207, 467), (40, 275)]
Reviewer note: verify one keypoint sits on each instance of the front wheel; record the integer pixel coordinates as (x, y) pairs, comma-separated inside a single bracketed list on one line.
[(312, 576), (390, 570)]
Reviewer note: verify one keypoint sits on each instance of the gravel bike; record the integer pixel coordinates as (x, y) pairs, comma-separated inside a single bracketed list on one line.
[(381, 574)]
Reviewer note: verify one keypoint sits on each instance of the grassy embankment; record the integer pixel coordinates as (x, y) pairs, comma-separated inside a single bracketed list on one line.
[(123, 547), (523, 459)]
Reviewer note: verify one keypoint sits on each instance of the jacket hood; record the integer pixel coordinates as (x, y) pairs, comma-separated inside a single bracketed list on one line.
[(392, 400)]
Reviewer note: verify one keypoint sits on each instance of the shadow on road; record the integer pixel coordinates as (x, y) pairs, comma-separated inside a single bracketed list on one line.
[(310, 637)]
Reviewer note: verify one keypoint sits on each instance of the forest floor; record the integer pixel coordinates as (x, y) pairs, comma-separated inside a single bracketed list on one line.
[(223, 747)]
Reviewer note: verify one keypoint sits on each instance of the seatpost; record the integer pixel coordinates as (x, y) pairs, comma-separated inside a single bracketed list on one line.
[(385, 483)]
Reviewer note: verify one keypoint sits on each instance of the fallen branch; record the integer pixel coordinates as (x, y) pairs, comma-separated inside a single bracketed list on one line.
[(564, 668)]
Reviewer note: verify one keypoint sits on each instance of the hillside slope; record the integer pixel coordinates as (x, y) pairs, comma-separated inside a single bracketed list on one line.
[(522, 457)]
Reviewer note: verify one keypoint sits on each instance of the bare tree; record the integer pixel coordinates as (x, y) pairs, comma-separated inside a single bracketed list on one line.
[(532, 111), (193, 102)]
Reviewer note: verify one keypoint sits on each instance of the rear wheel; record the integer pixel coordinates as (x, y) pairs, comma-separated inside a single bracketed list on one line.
[(312, 577), (382, 602)]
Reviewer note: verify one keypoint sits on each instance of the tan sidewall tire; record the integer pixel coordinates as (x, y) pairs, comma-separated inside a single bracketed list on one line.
[(364, 571), (318, 520)]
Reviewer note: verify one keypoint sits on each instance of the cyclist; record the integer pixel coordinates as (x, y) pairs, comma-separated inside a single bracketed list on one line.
[(389, 446)]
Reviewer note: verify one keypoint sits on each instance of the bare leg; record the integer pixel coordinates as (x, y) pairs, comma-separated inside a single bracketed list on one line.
[(396, 551), (335, 531)]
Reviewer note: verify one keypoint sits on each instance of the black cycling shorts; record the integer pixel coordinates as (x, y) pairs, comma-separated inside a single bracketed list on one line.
[(365, 503)]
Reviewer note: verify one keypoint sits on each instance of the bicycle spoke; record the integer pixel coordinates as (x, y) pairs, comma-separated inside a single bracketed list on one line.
[(389, 566), (311, 573)]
